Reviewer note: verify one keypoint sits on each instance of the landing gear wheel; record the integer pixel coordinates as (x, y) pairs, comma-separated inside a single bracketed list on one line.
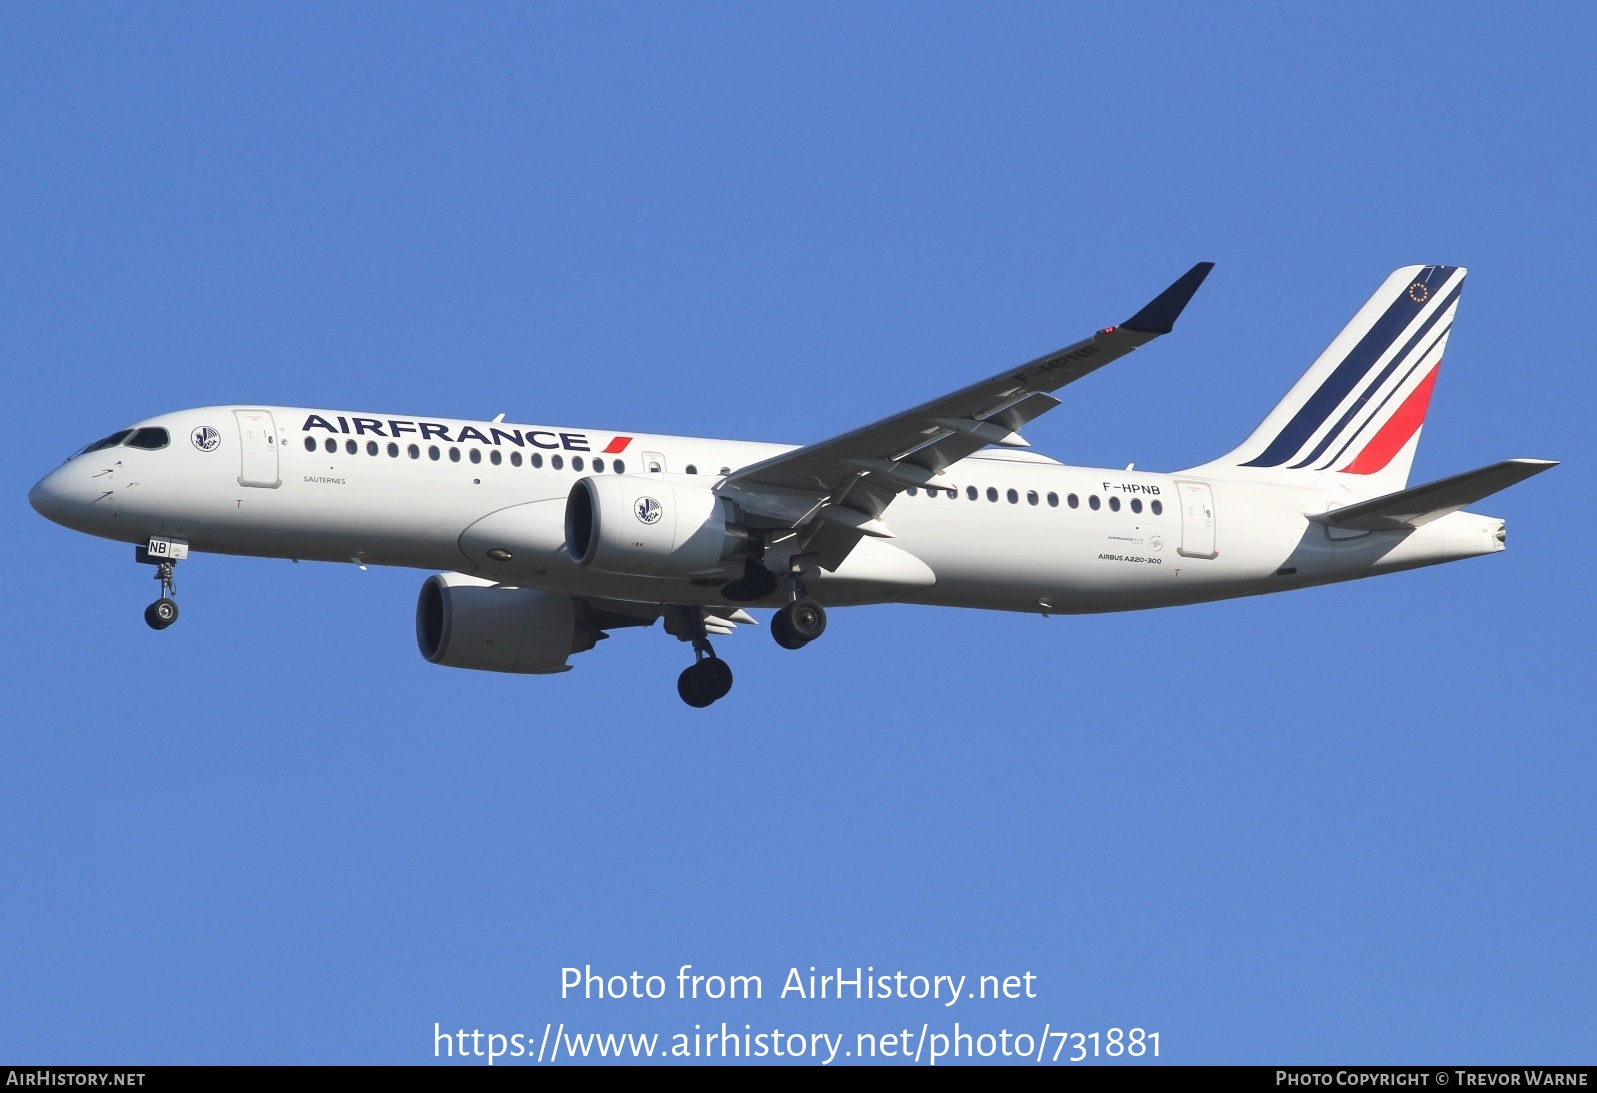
[(161, 614), (714, 677), (782, 631), (705, 682), (688, 689), (804, 619)]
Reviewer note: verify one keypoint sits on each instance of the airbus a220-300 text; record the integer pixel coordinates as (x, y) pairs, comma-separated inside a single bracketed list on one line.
[(547, 536)]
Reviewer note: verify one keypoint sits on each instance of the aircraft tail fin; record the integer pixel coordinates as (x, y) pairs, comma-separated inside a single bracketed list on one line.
[(1355, 415)]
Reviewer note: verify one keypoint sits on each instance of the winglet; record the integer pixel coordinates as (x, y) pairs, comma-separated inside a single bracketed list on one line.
[(1159, 317)]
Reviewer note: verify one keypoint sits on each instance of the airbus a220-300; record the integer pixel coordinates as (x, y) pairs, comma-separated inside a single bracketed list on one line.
[(547, 536)]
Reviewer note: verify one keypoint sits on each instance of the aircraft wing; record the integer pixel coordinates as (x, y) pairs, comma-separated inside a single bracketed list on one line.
[(844, 484)]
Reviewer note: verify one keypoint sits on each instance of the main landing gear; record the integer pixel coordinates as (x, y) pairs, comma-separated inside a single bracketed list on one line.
[(800, 621), (706, 680), (163, 612), (709, 678)]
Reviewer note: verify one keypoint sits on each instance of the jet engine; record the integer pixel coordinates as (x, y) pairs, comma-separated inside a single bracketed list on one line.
[(467, 622), (647, 527)]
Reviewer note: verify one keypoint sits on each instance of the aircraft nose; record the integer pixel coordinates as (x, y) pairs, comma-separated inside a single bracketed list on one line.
[(51, 497)]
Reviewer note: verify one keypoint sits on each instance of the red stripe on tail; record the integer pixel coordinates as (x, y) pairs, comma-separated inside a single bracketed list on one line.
[(1397, 431)]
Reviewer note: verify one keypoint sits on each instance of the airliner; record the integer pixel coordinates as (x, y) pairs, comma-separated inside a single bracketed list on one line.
[(547, 537)]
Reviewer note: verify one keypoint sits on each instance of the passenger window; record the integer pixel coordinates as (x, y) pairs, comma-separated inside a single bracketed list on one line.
[(1031, 497), (432, 452), (556, 462), (970, 492), (351, 447), (1092, 502), (912, 491), (726, 470), (535, 459), (598, 465), (576, 462), (1053, 500), (1158, 509), (515, 459), (1136, 504), (475, 455), (495, 458), (150, 439), (310, 444), (1114, 504), (1014, 498), (330, 444), (620, 467), (454, 455), (992, 494), (1073, 501), (691, 469), (393, 450), (414, 452)]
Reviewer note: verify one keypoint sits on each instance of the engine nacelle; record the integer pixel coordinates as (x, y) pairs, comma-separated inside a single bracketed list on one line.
[(647, 527), (467, 622)]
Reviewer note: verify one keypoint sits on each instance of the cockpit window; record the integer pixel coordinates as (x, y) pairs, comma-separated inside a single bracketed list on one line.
[(109, 442), (149, 439)]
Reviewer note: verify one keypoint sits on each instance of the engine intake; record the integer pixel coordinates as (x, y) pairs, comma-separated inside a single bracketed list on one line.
[(467, 622), (648, 527)]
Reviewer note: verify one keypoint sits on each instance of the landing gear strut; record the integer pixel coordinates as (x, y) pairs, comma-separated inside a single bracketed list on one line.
[(801, 620), (163, 612)]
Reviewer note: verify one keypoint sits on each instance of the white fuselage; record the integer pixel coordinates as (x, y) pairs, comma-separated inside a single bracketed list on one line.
[(999, 531)]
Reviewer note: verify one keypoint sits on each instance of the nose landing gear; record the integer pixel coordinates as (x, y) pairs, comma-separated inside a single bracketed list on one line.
[(163, 612)]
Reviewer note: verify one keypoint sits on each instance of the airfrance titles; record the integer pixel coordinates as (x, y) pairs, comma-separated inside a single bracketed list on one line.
[(486, 432)]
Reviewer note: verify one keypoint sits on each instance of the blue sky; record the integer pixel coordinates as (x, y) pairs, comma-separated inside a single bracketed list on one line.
[(1349, 824)]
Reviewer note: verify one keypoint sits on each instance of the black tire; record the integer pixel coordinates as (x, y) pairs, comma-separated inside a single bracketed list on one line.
[(713, 677), (806, 619), (161, 614), (782, 631), (688, 688)]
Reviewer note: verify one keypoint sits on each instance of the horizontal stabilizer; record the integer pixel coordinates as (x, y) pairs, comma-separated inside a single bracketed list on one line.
[(1421, 504)]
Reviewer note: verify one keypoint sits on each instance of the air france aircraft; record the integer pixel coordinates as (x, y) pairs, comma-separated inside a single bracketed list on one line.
[(549, 536)]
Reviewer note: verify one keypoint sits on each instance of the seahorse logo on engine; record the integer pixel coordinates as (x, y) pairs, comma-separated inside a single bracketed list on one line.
[(648, 510)]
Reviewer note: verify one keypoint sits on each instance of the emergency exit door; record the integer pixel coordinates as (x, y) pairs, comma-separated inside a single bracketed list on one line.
[(257, 436), (1197, 520)]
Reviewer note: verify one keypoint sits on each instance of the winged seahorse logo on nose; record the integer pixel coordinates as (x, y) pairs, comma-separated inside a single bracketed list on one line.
[(648, 510), (206, 438)]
